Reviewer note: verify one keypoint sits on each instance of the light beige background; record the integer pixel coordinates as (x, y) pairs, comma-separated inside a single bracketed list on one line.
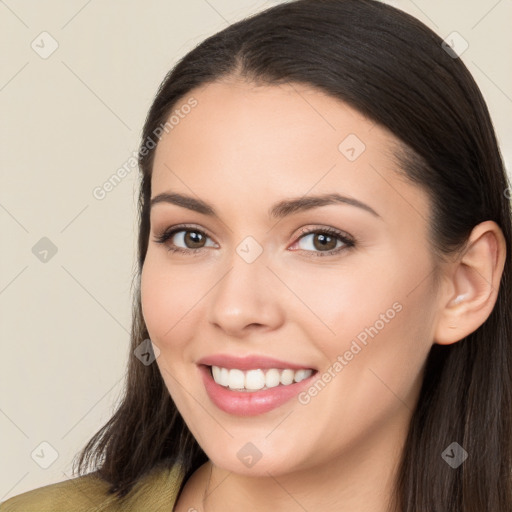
[(68, 122)]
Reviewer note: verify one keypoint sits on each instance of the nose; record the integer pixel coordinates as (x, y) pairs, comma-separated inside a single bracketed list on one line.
[(247, 298)]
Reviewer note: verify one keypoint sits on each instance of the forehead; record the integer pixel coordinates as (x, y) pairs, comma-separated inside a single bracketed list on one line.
[(290, 119), (242, 142)]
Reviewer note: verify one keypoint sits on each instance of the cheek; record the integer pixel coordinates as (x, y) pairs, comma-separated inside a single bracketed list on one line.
[(344, 301), (166, 303), (396, 346), (152, 293), (164, 308), (380, 292), (377, 318)]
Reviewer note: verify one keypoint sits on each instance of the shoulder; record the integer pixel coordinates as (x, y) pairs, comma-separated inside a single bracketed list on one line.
[(155, 491)]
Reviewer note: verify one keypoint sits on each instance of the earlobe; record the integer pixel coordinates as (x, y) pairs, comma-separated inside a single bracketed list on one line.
[(473, 285)]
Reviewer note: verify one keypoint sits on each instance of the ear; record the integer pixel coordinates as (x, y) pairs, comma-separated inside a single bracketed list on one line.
[(471, 285)]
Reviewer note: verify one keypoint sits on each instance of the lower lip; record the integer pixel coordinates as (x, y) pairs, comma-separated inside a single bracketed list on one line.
[(249, 403)]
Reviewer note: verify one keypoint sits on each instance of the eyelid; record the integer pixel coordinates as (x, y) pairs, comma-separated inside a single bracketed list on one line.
[(324, 229), (162, 236), (347, 240)]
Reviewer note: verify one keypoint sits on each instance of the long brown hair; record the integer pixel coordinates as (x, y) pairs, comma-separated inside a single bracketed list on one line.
[(396, 71)]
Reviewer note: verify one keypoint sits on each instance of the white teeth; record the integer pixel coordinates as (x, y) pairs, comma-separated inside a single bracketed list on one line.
[(287, 377), (236, 379), (301, 375), (216, 373), (272, 378), (254, 380), (224, 377)]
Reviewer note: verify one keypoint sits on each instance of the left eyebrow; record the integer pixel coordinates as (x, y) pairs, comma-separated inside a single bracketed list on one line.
[(278, 211), (291, 206)]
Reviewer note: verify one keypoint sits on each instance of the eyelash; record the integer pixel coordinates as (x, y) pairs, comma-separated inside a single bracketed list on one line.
[(348, 242)]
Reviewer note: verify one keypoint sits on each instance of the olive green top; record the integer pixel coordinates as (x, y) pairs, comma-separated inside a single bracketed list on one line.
[(157, 491)]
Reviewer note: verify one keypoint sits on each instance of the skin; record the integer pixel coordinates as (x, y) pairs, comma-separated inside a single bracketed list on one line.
[(242, 149)]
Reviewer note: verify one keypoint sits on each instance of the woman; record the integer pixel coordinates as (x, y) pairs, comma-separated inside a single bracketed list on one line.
[(323, 314)]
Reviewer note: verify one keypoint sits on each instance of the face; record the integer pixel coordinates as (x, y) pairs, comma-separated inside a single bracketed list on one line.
[(334, 295)]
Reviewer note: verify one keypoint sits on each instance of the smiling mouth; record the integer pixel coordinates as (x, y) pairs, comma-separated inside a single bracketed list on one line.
[(257, 379)]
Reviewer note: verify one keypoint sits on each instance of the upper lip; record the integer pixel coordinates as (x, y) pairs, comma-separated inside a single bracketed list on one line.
[(249, 362)]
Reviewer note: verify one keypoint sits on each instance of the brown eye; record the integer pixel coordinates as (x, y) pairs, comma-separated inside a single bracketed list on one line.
[(193, 239), (182, 239), (324, 242)]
